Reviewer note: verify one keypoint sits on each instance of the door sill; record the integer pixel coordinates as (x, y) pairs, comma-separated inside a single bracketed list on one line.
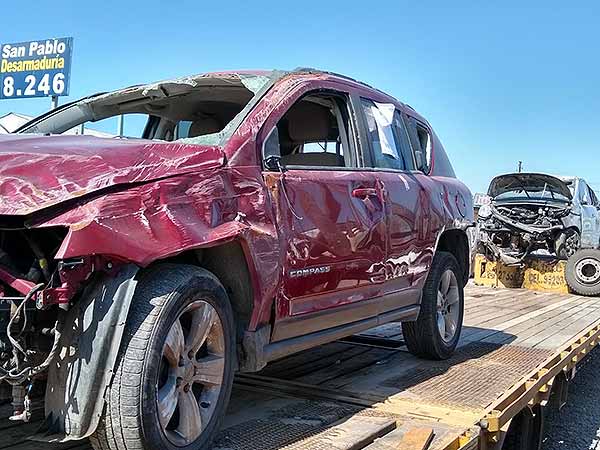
[(285, 347)]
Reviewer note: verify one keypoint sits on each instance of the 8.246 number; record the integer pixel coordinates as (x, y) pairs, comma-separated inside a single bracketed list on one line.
[(32, 85)]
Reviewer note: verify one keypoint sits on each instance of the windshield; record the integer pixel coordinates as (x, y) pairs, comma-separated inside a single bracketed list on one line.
[(529, 187), (203, 109)]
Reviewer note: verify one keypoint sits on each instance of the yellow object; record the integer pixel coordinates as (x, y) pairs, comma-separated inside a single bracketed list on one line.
[(546, 276), (496, 274), (536, 275)]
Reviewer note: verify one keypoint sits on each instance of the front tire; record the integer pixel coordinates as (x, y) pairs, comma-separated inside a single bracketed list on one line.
[(174, 372), (436, 331)]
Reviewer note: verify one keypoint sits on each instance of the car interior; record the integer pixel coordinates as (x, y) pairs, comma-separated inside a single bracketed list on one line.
[(187, 108), (313, 132)]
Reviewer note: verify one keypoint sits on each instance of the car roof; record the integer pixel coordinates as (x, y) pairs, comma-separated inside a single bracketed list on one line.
[(319, 74), (274, 75)]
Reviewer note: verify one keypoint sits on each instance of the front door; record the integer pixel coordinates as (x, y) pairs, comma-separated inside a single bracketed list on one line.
[(590, 217), (331, 218)]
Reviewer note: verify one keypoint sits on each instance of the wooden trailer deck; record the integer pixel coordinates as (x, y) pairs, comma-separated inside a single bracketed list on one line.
[(367, 392)]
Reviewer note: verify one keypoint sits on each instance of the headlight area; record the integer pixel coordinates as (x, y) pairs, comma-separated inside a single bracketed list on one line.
[(35, 292)]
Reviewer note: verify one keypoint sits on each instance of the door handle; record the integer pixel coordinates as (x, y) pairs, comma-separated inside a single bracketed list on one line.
[(364, 192)]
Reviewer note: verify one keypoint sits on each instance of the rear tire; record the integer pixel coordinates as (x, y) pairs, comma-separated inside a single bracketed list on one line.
[(424, 336), (583, 272), (174, 371)]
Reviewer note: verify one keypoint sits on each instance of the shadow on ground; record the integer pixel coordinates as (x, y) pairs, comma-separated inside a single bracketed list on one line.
[(577, 425)]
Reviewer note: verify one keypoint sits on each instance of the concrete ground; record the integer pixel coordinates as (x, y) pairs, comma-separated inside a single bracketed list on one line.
[(577, 425)]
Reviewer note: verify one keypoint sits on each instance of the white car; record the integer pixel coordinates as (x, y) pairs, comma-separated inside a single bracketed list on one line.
[(533, 213)]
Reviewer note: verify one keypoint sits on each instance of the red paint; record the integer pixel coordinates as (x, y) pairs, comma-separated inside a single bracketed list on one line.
[(142, 201), (22, 286)]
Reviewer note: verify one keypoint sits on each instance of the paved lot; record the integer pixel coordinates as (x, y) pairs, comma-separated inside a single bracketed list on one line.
[(577, 426)]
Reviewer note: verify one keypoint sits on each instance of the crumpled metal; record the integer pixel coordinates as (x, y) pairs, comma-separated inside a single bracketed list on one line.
[(37, 172)]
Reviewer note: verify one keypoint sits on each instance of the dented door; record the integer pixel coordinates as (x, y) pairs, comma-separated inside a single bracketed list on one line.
[(333, 225)]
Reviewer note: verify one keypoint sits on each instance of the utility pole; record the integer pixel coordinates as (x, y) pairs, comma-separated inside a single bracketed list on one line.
[(520, 166)]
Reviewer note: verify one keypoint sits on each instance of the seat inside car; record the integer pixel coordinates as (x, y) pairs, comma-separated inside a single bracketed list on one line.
[(206, 125), (304, 123)]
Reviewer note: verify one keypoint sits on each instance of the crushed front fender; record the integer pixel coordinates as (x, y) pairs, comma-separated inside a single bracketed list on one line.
[(79, 376)]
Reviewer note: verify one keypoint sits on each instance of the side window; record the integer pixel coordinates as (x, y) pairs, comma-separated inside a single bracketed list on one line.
[(593, 198), (133, 126), (421, 143), (195, 128), (381, 132), (313, 132), (584, 193), (401, 135)]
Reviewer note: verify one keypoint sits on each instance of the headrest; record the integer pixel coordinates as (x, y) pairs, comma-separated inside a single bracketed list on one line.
[(308, 122), (204, 126)]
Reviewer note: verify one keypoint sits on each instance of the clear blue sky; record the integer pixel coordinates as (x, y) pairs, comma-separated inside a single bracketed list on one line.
[(499, 82)]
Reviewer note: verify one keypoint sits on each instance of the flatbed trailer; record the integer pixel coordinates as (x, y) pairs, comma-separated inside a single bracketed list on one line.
[(367, 392)]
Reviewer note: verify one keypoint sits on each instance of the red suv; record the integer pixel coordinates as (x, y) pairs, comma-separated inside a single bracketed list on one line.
[(259, 214)]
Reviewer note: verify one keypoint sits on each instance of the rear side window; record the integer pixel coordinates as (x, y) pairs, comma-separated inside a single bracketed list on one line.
[(386, 135), (421, 143)]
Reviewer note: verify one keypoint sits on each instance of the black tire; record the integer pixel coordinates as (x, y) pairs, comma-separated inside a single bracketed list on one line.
[(583, 272), (423, 337), (130, 420)]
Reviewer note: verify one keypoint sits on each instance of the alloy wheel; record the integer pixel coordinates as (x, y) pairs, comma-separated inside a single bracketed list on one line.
[(191, 373), (448, 306)]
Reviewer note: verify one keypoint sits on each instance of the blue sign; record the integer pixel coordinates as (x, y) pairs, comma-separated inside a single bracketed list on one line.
[(35, 68)]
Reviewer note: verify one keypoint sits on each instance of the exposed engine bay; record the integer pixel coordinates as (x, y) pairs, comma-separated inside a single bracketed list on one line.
[(36, 292), (27, 333), (527, 213)]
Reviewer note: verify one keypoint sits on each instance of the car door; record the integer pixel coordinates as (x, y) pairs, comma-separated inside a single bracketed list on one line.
[(590, 216), (406, 215), (330, 215)]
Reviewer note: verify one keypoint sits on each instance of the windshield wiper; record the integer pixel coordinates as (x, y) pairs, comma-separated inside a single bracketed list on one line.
[(522, 187)]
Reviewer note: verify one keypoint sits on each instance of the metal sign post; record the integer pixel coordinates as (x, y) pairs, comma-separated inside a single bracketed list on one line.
[(120, 125), (54, 102)]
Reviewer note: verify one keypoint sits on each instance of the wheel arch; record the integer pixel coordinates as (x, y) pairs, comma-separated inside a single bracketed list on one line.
[(228, 262), (456, 242)]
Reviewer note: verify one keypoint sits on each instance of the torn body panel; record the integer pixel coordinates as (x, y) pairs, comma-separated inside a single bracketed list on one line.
[(38, 172), (164, 218)]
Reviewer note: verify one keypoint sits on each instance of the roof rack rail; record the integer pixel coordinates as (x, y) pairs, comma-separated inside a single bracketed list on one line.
[(313, 70)]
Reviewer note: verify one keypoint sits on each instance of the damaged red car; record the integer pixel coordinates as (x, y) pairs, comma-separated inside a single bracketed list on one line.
[(256, 215)]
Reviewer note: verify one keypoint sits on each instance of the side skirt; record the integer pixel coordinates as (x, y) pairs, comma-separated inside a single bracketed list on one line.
[(258, 352)]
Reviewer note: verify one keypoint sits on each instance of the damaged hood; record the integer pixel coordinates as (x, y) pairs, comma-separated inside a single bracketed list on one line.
[(524, 185), (38, 171)]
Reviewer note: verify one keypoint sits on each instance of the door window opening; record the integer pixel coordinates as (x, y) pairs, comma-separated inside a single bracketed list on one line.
[(313, 132)]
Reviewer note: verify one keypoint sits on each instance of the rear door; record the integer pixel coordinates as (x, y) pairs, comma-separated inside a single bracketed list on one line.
[(392, 159), (330, 214)]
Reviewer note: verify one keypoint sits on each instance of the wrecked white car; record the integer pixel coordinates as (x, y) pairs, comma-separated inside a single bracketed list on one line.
[(532, 213)]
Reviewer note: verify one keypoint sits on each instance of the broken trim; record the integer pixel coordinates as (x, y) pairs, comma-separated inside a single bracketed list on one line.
[(80, 375)]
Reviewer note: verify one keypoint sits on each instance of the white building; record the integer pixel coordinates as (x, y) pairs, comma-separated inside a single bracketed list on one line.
[(11, 121)]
